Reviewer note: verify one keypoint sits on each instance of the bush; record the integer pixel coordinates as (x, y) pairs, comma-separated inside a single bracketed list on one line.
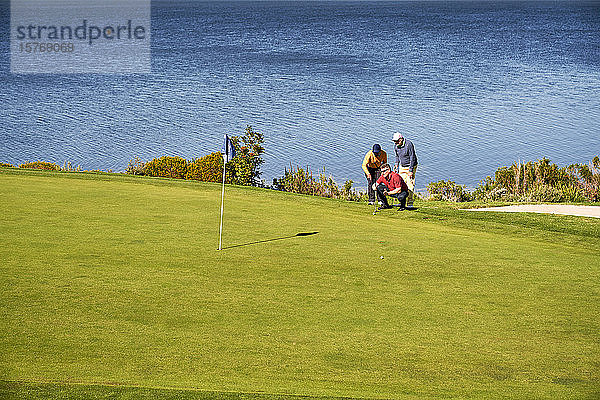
[(167, 167), (6, 165), (521, 178), (350, 194), (41, 165), (207, 169), (299, 180), (244, 169), (488, 190), (587, 178), (136, 166), (542, 181), (68, 167), (448, 191)]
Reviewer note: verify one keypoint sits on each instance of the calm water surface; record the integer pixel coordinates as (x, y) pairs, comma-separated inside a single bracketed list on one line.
[(474, 85)]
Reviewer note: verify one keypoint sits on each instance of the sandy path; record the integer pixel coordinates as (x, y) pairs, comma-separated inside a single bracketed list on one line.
[(564, 209)]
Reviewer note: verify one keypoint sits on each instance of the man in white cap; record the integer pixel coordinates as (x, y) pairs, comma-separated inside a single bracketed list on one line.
[(406, 164)]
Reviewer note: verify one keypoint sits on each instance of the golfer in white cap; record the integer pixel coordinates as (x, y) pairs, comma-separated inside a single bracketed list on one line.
[(406, 164)]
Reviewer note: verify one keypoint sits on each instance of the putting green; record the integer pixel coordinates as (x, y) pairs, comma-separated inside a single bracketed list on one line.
[(116, 280)]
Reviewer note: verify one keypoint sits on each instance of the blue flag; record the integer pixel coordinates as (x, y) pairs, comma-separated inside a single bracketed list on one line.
[(228, 150)]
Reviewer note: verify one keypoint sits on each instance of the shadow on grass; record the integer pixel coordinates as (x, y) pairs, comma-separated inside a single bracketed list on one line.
[(398, 208), (300, 234)]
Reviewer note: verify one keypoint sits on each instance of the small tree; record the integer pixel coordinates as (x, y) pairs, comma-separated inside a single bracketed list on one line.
[(244, 169)]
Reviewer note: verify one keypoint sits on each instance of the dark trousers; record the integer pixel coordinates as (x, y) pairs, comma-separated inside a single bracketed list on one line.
[(374, 173), (383, 198)]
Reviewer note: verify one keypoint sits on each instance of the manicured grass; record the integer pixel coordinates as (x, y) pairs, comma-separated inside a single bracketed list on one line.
[(24, 390), (112, 288)]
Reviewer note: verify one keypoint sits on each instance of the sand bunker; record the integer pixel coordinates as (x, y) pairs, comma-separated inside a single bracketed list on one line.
[(563, 209)]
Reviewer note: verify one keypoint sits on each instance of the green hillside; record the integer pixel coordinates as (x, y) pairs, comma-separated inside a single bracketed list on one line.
[(112, 287)]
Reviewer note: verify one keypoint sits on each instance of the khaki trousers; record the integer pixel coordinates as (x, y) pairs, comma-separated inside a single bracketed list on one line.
[(410, 182)]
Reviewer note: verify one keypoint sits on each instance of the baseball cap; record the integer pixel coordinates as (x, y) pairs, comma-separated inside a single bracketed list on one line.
[(376, 148), (397, 136)]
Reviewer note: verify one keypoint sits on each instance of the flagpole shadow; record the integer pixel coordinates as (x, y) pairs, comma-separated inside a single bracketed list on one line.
[(300, 234)]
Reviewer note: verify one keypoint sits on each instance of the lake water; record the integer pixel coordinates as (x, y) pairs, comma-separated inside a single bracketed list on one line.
[(474, 85)]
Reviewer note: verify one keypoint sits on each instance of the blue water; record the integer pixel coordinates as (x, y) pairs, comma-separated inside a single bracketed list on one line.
[(474, 85)]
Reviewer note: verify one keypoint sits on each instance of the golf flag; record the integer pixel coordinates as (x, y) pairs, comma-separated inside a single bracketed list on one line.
[(228, 155), (228, 150)]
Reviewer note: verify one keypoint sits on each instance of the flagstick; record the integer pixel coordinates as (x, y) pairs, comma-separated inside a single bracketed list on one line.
[(222, 198)]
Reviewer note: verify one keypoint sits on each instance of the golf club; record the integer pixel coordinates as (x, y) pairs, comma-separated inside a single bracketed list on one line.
[(375, 203)]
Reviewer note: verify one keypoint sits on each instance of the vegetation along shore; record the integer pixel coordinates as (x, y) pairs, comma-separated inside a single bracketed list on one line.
[(531, 181)]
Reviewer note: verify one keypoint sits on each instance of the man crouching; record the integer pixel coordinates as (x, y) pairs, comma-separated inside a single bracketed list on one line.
[(390, 184)]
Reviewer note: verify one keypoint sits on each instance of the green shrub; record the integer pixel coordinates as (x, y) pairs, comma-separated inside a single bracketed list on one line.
[(299, 180), (588, 178), (448, 191), (68, 167), (207, 169), (348, 193), (488, 190), (545, 193), (167, 167), (41, 165), (520, 178), (136, 166), (244, 169), (542, 181)]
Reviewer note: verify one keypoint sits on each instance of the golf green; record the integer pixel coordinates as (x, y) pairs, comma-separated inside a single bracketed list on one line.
[(112, 287)]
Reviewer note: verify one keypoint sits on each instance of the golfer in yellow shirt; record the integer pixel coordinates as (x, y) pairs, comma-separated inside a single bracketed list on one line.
[(371, 166)]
